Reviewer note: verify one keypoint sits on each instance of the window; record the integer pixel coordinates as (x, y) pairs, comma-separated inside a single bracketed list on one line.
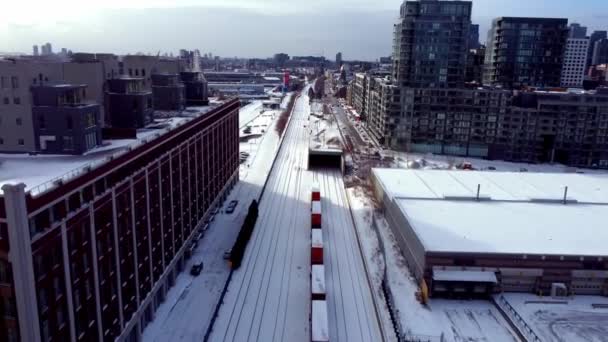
[(41, 122), (77, 299), (43, 303), (143, 72), (60, 317), (87, 288), (130, 72), (3, 82), (21, 142), (57, 287), (45, 331), (136, 72), (4, 272), (69, 122), (19, 121), (6, 101), (1, 141), (68, 143), (15, 82)]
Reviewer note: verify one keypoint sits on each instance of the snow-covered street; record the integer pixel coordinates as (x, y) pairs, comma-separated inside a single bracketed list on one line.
[(188, 307)]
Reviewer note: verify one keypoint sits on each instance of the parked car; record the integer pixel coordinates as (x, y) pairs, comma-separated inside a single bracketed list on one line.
[(491, 168), (199, 236), (231, 206), (197, 268), (227, 254), (204, 228)]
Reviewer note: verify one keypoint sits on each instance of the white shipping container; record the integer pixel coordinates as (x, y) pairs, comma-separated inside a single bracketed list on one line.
[(320, 330)]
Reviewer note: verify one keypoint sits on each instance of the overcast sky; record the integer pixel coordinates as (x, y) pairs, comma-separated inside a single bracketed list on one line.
[(361, 29)]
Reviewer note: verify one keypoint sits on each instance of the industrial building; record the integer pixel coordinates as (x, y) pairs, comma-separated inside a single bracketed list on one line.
[(467, 233), (90, 245)]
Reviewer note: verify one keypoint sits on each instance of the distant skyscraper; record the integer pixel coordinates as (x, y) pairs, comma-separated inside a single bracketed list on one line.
[(339, 58), (474, 36), (594, 37), (524, 52), (35, 50), (600, 52), (575, 59), (577, 31), (430, 44), (47, 49)]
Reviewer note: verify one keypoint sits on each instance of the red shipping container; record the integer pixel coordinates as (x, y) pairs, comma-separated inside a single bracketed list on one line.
[(316, 193)]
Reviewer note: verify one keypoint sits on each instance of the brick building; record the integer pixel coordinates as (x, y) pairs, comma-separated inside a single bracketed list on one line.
[(90, 255)]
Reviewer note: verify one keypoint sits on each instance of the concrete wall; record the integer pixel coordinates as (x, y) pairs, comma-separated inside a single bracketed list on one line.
[(411, 247), (26, 73)]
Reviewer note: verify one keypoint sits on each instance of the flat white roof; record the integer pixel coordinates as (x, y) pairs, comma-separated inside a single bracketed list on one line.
[(38, 171), (512, 221), (508, 186), (464, 276), (317, 278)]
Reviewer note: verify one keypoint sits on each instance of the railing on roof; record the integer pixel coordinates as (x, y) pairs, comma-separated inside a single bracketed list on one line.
[(60, 180)]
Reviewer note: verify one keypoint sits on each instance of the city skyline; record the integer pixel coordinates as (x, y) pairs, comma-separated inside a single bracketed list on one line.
[(316, 28)]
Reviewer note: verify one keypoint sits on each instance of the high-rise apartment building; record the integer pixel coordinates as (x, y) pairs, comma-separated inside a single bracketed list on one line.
[(430, 43), (35, 51), (600, 52), (577, 31), (474, 36), (593, 38), (339, 58), (523, 52), (575, 59)]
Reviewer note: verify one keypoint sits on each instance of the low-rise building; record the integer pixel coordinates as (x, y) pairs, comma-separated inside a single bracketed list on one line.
[(63, 123), (196, 89), (168, 92), (129, 104)]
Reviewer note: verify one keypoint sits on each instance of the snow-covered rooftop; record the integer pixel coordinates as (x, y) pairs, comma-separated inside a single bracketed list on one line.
[(518, 213), (38, 172)]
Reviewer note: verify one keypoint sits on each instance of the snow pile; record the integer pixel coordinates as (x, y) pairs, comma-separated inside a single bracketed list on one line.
[(325, 133)]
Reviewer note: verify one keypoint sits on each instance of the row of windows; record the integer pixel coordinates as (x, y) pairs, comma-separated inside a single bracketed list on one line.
[(6, 82), (16, 100), (20, 141)]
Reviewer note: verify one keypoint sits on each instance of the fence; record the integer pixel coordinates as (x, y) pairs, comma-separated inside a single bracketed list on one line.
[(524, 329)]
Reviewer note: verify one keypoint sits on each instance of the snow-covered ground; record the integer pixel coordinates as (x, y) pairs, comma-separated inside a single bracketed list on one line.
[(456, 321), (571, 319), (189, 305), (249, 112)]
